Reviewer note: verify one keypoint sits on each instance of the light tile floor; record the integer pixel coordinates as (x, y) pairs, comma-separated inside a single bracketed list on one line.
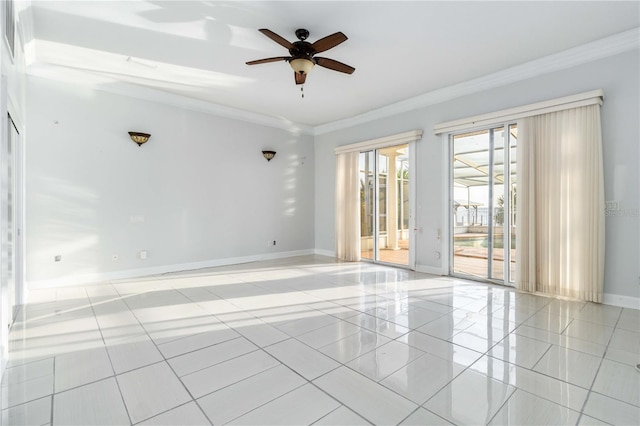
[(308, 340)]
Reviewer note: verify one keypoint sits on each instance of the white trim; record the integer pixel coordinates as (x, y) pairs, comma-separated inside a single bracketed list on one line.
[(197, 105), (413, 196), (429, 270), (15, 115), (87, 279), (24, 11), (599, 49), (11, 50), (399, 139), (513, 114), (446, 224), (322, 252), (409, 138), (178, 101), (622, 301)]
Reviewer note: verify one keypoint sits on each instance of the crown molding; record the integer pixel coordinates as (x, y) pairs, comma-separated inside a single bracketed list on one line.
[(42, 70), (599, 49), (197, 105)]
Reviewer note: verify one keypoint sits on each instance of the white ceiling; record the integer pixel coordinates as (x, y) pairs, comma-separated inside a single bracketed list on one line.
[(400, 50)]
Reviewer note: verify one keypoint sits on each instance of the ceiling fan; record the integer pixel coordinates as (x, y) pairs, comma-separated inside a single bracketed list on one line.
[(302, 53)]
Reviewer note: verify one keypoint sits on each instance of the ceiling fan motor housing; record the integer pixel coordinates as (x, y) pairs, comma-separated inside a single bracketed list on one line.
[(302, 34)]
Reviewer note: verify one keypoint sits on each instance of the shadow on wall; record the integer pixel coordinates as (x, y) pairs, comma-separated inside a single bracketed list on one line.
[(61, 229), (295, 162)]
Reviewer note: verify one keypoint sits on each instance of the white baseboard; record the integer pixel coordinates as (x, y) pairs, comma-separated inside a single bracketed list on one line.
[(622, 301), (74, 280), (329, 253), (429, 270)]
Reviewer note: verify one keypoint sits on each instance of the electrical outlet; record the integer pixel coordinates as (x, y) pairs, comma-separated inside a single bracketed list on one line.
[(58, 258), (143, 254), (274, 242), (612, 205), (136, 218)]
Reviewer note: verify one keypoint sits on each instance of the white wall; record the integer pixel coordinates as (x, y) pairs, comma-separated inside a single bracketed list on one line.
[(12, 100), (206, 193), (619, 76)]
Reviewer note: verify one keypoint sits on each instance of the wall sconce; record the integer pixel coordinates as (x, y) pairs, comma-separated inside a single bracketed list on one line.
[(139, 138), (268, 154)]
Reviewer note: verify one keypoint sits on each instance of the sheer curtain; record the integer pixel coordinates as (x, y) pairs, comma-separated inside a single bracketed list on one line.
[(560, 209), (347, 207)]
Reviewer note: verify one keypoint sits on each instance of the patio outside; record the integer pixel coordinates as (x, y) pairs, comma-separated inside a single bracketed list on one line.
[(384, 205), (480, 209)]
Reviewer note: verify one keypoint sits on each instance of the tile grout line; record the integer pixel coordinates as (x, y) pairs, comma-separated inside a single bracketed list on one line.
[(340, 402), (106, 349), (213, 365), (239, 381), (506, 401), (341, 364), (308, 382), (169, 410), (52, 402), (595, 377), (164, 359), (225, 323), (365, 377), (376, 294)]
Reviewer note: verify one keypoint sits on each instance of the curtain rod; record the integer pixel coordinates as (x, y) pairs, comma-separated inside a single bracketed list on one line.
[(567, 102), (399, 139)]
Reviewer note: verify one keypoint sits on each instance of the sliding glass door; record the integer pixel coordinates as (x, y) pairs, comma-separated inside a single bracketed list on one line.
[(483, 194), (384, 205), (10, 203), (367, 205)]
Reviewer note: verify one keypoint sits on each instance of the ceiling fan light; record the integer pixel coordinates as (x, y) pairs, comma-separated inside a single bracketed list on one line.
[(301, 66)]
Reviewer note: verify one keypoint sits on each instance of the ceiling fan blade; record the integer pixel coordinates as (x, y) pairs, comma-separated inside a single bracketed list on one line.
[(328, 42), (275, 37), (334, 65), (266, 60), (300, 78)]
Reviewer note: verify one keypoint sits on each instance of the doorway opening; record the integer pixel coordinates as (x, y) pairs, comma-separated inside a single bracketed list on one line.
[(483, 201), (385, 201)]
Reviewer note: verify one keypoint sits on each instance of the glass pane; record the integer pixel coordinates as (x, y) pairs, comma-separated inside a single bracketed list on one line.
[(497, 217), (367, 207), (11, 222), (513, 139), (393, 181), (484, 166), (382, 203), (471, 203), (384, 190)]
